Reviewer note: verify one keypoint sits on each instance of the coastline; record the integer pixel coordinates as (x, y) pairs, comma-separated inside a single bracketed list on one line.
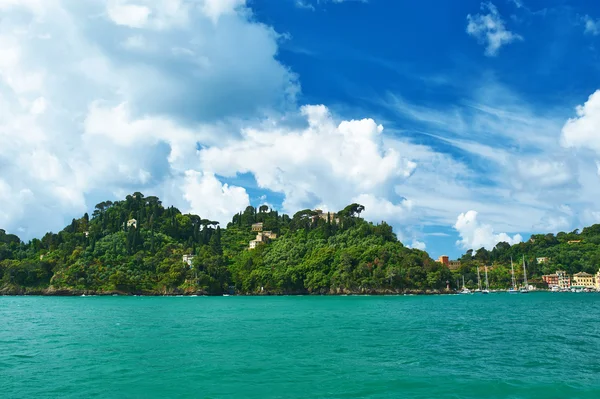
[(52, 291)]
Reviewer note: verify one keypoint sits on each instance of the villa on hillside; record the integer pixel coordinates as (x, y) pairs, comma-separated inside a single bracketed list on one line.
[(257, 226), (262, 238), (188, 259), (132, 222), (454, 264), (542, 259), (450, 264), (573, 241), (333, 218)]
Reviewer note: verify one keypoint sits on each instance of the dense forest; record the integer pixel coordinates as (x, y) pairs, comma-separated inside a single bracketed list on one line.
[(137, 246)]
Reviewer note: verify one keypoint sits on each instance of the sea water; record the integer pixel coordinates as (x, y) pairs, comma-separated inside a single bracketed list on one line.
[(539, 345)]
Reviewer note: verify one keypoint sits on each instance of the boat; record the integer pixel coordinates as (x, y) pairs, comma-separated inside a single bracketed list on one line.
[(478, 290), (525, 288), (513, 289), (487, 285), (464, 290), (555, 288)]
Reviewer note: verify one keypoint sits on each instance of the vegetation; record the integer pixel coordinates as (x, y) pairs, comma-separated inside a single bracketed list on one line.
[(109, 252)]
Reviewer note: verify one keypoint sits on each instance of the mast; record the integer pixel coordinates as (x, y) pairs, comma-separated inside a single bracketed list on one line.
[(463, 282), (524, 273), (487, 285), (512, 270), (478, 278)]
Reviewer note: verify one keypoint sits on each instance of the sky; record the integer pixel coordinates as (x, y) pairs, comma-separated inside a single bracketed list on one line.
[(462, 124)]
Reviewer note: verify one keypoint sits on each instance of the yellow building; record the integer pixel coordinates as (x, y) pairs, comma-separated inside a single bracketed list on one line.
[(598, 280), (583, 279)]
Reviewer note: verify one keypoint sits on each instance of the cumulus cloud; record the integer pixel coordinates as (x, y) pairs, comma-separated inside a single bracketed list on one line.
[(325, 162), (211, 199), (583, 131), (118, 104), (489, 29), (475, 235)]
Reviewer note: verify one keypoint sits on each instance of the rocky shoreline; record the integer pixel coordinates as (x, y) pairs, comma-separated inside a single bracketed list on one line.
[(53, 291)]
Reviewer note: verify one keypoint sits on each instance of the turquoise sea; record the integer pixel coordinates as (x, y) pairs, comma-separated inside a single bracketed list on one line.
[(539, 345)]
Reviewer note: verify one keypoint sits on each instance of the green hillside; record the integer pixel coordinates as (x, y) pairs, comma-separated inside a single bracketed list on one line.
[(110, 252), (102, 254)]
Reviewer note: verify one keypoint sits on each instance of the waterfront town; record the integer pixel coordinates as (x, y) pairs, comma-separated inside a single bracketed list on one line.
[(557, 281)]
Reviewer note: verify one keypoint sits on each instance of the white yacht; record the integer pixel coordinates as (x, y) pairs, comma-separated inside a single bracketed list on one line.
[(487, 285), (464, 290), (524, 289), (513, 289)]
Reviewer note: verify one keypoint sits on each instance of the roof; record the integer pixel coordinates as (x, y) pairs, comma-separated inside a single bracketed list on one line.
[(583, 274)]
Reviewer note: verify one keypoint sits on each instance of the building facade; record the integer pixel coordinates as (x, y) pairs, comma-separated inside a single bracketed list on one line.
[(454, 264), (444, 260), (188, 259), (583, 279), (551, 280), (326, 215), (564, 280), (257, 227), (262, 238)]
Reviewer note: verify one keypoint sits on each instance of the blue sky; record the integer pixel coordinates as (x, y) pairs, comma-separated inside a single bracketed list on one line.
[(460, 123)]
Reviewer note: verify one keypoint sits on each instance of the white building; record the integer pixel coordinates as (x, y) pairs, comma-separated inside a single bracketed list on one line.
[(188, 259)]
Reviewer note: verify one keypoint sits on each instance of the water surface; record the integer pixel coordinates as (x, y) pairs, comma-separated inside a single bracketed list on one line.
[(540, 345)]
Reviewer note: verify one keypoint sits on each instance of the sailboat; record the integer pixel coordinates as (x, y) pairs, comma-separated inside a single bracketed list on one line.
[(524, 289), (464, 290), (487, 285), (478, 290), (513, 289)]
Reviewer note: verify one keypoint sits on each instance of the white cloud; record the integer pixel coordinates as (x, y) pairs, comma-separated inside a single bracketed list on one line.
[(325, 162), (216, 8), (591, 27), (543, 173), (381, 209), (583, 131), (489, 29), (211, 199), (132, 15), (92, 111), (305, 5), (475, 235), (416, 244)]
